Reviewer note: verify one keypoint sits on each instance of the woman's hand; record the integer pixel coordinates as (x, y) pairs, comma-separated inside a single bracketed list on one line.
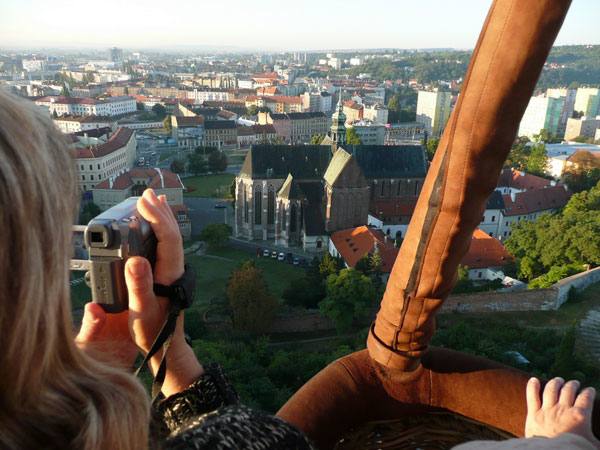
[(561, 410), (140, 325)]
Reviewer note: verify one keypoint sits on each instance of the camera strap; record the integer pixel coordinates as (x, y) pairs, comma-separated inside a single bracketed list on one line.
[(181, 296)]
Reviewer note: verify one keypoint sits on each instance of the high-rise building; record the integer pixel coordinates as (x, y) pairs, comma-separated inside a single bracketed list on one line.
[(433, 110), (583, 127), (587, 101), (568, 106), (542, 113), (116, 55)]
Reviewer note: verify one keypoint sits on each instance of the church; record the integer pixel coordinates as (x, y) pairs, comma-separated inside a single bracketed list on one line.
[(297, 195)]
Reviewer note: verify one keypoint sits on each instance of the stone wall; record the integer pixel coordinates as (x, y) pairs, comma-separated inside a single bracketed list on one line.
[(534, 300), (579, 281)]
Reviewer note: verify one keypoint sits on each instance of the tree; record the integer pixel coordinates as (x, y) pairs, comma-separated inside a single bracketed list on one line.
[(140, 106), (316, 139), (159, 110), (328, 266), (217, 162), (363, 265), (579, 180), (538, 160), (554, 240), (216, 235), (304, 292), (350, 299), (518, 156), (252, 305), (197, 164), (252, 110), (352, 137), (167, 124), (431, 147), (177, 166), (88, 212)]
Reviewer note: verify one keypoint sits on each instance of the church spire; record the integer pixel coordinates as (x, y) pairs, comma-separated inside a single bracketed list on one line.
[(338, 125)]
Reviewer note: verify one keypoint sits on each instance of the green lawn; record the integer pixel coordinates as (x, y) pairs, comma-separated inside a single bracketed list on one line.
[(216, 186), (213, 269)]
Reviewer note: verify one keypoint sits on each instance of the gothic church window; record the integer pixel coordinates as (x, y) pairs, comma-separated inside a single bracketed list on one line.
[(271, 207), (258, 207)]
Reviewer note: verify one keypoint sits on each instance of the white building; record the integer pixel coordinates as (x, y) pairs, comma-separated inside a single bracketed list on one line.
[(214, 95), (587, 101), (433, 110), (98, 160), (75, 124), (107, 107), (317, 102), (584, 126), (369, 132), (542, 113), (376, 113)]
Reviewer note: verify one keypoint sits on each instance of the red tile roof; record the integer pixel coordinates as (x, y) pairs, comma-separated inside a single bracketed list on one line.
[(153, 178), (264, 129), (284, 99), (485, 251), (521, 180), (194, 121), (353, 105), (118, 140), (271, 90), (536, 200), (355, 243), (398, 207)]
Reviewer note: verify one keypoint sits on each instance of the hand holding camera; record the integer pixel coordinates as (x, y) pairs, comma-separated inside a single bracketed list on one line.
[(137, 327)]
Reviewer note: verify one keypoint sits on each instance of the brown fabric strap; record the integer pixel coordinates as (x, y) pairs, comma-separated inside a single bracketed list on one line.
[(509, 56)]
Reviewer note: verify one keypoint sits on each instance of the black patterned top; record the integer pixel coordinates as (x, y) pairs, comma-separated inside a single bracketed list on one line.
[(208, 415)]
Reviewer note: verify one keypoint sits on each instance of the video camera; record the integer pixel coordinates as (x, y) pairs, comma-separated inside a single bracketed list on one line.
[(107, 242)]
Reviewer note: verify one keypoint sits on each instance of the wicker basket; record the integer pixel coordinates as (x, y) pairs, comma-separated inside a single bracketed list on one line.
[(428, 431)]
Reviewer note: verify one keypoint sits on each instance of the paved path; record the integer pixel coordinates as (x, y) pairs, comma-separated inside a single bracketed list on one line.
[(589, 335)]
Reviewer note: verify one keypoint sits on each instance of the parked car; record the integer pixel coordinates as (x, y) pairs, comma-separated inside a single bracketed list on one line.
[(220, 206), (274, 255), (266, 253), (281, 257), (296, 261)]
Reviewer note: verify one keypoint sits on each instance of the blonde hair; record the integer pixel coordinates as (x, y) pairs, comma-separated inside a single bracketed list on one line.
[(52, 395)]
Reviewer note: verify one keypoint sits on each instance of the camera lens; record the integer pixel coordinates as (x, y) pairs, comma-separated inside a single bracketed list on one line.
[(97, 237)]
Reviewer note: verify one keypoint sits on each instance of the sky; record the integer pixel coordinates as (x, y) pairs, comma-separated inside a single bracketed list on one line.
[(262, 24)]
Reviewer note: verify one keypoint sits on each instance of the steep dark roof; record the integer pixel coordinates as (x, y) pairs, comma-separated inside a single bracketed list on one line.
[(219, 125), (314, 222), (495, 201), (390, 161), (298, 116), (303, 162)]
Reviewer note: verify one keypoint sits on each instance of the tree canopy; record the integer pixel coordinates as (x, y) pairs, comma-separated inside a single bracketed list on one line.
[(352, 137), (253, 307), (570, 237), (350, 298)]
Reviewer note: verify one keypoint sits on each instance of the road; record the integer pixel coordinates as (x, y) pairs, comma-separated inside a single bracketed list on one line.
[(203, 212)]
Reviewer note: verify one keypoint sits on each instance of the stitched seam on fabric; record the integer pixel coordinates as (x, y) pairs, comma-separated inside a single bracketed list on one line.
[(469, 146), (445, 176)]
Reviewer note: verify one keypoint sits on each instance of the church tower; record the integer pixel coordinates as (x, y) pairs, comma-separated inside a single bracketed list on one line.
[(338, 126)]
